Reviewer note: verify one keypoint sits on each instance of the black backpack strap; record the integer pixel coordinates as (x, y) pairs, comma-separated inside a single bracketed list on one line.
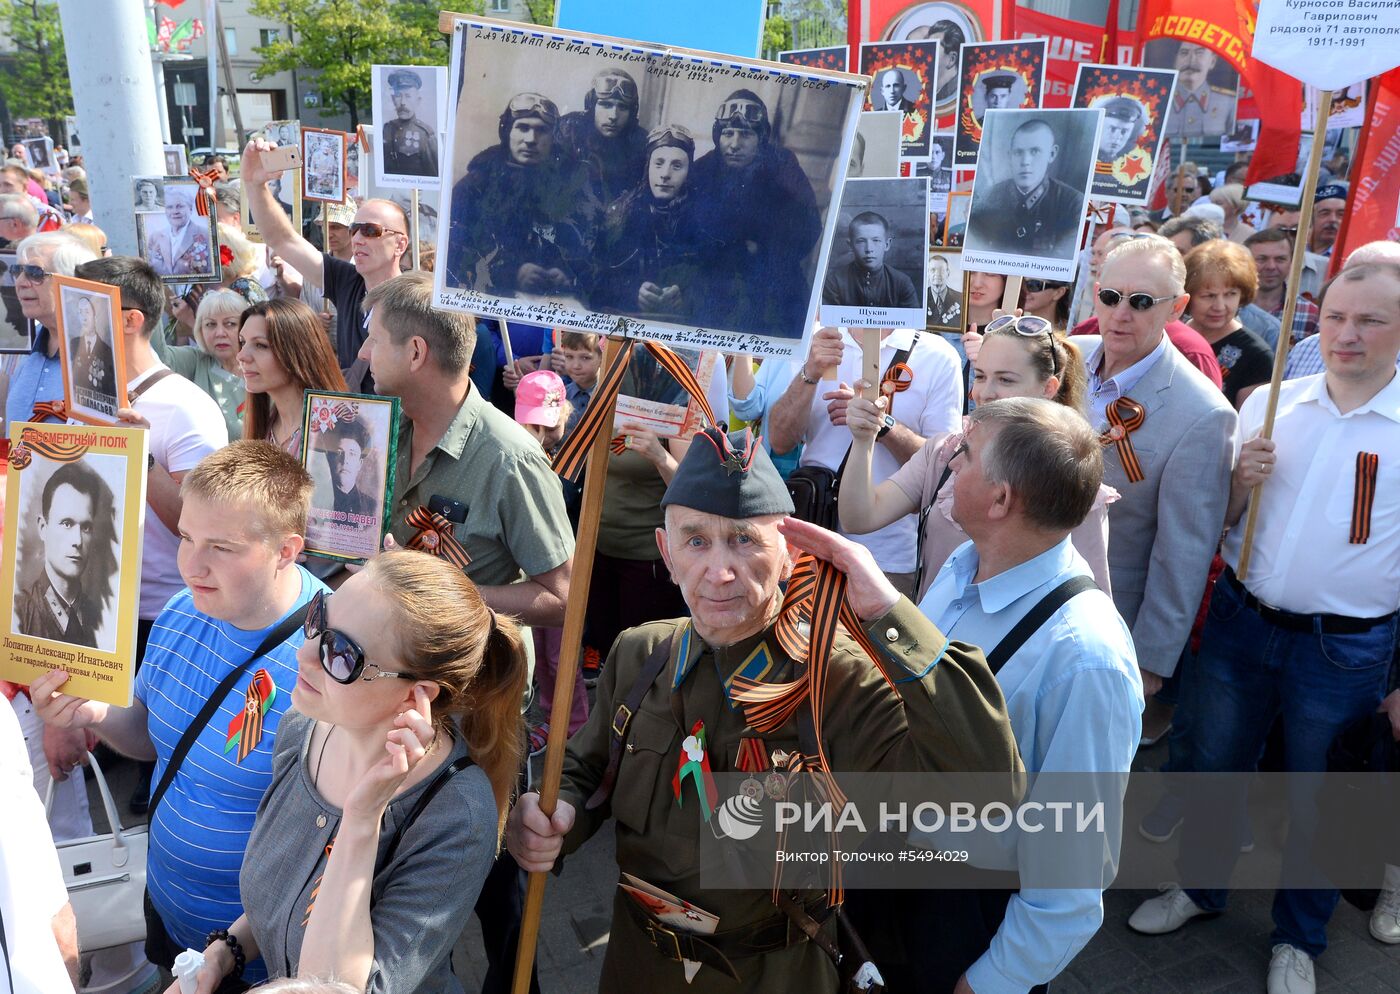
[(622, 719), (445, 774), (1036, 617), (274, 638)]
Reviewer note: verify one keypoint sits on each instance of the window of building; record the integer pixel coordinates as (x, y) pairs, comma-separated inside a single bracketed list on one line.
[(268, 36), (500, 6), (231, 41)]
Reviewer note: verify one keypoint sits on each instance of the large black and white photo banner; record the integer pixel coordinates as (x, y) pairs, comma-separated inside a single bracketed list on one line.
[(618, 187)]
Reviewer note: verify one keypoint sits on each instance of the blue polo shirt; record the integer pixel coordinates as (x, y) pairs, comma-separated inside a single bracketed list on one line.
[(38, 376), (200, 830)]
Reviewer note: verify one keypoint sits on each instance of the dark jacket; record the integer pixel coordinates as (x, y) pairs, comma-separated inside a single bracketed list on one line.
[(852, 286), (1045, 225), (615, 165)]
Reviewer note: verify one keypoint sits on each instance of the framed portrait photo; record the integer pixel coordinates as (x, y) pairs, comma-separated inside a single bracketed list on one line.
[(955, 220), (148, 194), (944, 309), (180, 244), (323, 165), (177, 161), (905, 75), (1207, 87), (1134, 104), (41, 155), (92, 350), (16, 330), (875, 151), (876, 274), (409, 115), (627, 188), (76, 503), (1030, 194), (994, 75), (655, 400), (348, 445)]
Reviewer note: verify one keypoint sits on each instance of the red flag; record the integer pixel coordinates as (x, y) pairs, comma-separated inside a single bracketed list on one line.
[(1157, 189), (1374, 211), (1280, 101), (1108, 51)]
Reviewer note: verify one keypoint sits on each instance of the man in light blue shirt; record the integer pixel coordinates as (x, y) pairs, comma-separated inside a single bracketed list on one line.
[(1027, 473)]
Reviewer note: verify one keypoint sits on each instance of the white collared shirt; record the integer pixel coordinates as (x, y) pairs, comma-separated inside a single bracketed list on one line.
[(1302, 559), (1104, 392), (931, 405)]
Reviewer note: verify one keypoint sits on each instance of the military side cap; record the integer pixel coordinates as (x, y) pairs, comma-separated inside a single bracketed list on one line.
[(405, 79), (731, 476), (1332, 191), (998, 81), (1122, 108)]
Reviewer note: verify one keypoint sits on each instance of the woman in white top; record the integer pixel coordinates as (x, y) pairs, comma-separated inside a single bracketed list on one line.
[(1018, 357)]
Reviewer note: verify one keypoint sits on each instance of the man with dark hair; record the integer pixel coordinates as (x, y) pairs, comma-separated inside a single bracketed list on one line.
[(607, 135), (1123, 122), (1272, 249), (996, 92), (1198, 107), (346, 445), (523, 215), (76, 526), (950, 40), (758, 202), (1030, 213), (866, 281), (410, 144)]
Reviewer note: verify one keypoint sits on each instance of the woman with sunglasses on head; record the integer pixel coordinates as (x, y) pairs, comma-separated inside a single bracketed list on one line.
[(1221, 278), (391, 783), (1020, 356), (282, 352)]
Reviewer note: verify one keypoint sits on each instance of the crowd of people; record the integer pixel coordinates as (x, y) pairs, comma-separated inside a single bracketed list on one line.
[(334, 759)]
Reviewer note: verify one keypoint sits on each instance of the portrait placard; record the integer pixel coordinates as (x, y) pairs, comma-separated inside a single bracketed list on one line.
[(939, 170), (955, 221), (177, 161), (92, 349), (323, 165), (702, 226), (904, 73), (943, 301), (428, 200), (1029, 197), (836, 57), (1134, 104), (1348, 108), (148, 194), (876, 273), (348, 445), (410, 111), (278, 184), (16, 330), (41, 155), (1203, 104), (875, 151), (180, 244), (655, 400), (75, 502), (994, 75)]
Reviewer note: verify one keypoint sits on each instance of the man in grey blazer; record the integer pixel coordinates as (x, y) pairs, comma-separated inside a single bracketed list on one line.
[(1169, 450)]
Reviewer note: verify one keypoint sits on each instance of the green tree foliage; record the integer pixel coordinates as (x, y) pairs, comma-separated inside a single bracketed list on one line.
[(340, 40), (777, 35), (36, 84)]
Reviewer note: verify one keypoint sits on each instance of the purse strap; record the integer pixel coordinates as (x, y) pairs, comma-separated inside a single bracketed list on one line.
[(447, 773), (133, 393), (1036, 617), (274, 638)]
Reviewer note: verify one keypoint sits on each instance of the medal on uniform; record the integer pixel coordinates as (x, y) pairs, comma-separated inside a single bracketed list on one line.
[(694, 764), (246, 729)]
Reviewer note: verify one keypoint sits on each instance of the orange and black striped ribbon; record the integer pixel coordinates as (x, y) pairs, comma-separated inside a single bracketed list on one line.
[(1368, 465), (435, 537), (316, 887), (45, 409), (618, 445), (897, 379), (572, 455), (683, 375), (205, 180), (1125, 416), (39, 441), (260, 688)]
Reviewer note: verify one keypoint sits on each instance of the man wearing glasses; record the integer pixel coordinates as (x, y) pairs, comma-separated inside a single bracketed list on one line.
[(1169, 436), (378, 240), (241, 528)]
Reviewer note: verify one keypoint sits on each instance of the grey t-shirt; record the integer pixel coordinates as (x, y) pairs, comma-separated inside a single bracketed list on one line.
[(418, 902)]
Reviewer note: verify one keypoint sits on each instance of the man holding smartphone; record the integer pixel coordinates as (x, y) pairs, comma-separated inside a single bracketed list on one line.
[(379, 237)]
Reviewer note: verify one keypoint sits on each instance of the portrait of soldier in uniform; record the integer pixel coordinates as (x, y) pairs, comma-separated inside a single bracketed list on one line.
[(1204, 102), (68, 591), (944, 305), (177, 243), (1123, 123), (607, 135), (347, 448), (940, 158), (866, 281), (996, 93), (1020, 204), (90, 353), (410, 142)]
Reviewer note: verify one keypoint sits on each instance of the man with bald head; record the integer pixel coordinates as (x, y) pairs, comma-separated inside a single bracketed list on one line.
[(378, 240), (1030, 213), (890, 93)]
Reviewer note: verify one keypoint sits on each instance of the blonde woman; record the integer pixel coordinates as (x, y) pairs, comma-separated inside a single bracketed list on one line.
[(211, 363)]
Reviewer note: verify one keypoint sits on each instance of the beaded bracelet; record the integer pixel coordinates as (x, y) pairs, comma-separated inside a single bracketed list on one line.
[(225, 936)]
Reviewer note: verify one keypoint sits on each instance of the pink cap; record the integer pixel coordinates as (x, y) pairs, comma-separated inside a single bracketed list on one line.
[(539, 398)]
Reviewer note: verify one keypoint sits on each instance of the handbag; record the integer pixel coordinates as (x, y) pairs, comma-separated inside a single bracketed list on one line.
[(105, 876)]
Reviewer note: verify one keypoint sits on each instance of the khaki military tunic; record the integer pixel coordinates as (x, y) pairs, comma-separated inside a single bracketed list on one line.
[(947, 715)]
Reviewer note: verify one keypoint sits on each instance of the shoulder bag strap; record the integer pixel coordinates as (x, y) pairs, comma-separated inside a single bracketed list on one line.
[(439, 781), (622, 718), (274, 638), (923, 520), (134, 392), (1036, 617)]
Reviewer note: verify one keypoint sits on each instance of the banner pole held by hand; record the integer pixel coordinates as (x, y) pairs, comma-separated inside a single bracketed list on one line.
[(870, 361), (413, 226), (1290, 301)]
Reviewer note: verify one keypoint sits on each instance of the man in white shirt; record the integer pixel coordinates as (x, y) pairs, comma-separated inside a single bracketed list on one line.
[(1309, 633), (928, 402)]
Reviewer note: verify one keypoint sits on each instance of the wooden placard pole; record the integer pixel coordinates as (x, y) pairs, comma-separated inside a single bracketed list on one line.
[(571, 644), (870, 360), (326, 228), (1011, 294), (413, 225), (1290, 300)]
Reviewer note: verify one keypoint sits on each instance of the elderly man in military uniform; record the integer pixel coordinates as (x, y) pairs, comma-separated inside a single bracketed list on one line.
[(607, 136), (944, 310), (1032, 213), (1198, 108), (523, 216), (922, 705), (756, 199), (996, 92), (892, 89), (866, 281), (1123, 122), (65, 602), (410, 145)]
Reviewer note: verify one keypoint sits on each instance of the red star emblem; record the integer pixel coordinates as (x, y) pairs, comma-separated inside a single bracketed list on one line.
[(1133, 167)]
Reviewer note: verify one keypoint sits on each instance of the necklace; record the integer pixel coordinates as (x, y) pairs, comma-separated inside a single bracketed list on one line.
[(316, 775)]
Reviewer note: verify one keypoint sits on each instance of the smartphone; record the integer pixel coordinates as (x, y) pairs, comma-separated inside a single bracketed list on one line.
[(452, 510), (282, 157)]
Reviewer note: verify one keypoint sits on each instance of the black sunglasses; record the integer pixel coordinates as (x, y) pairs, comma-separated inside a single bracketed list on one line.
[(34, 274), (1029, 326), (341, 656), (1036, 286), (371, 230), (1137, 301)]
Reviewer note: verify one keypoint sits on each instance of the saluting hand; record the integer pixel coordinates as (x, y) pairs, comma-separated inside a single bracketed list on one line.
[(870, 593), (534, 839)]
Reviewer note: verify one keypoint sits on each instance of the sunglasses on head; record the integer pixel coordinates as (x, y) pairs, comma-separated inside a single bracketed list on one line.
[(371, 230), (1028, 326), (34, 274), (1137, 301), (341, 656)]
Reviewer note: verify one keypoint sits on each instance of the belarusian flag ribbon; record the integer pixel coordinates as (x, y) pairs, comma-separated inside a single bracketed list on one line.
[(695, 763), (246, 729)]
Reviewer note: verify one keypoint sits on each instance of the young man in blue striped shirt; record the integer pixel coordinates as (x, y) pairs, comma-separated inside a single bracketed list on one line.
[(241, 530)]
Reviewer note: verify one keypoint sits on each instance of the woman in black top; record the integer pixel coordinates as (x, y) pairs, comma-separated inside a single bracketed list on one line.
[(1221, 278)]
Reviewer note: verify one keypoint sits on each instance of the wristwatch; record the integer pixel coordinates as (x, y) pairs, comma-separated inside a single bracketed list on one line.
[(886, 424)]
